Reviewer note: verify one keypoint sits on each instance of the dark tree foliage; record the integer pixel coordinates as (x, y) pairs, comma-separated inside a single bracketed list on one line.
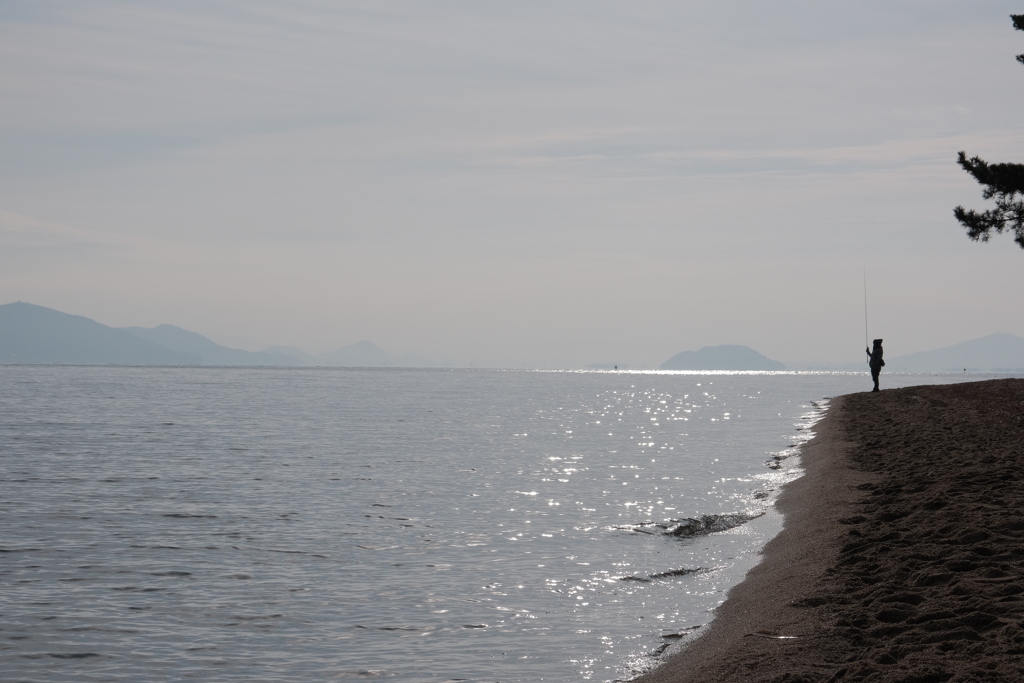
[(1018, 23), (1002, 182)]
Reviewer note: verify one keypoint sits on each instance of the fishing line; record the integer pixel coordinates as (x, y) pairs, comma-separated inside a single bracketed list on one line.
[(865, 307)]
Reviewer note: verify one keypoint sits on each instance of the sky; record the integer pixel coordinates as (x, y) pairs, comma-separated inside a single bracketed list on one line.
[(512, 184)]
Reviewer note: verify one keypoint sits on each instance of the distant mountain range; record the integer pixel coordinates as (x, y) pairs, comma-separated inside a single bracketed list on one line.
[(724, 357), (999, 352), (209, 352), (35, 334)]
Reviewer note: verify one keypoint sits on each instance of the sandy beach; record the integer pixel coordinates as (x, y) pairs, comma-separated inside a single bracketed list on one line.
[(902, 554)]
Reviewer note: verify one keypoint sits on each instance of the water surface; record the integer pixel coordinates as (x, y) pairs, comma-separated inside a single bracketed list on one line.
[(414, 525)]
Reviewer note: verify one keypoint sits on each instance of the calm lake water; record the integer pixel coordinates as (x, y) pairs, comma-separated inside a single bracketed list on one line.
[(262, 524)]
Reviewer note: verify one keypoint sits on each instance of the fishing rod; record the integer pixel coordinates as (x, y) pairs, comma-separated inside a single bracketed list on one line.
[(865, 307)]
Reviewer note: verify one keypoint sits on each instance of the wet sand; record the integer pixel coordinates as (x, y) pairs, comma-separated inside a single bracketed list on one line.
[(902, 554)]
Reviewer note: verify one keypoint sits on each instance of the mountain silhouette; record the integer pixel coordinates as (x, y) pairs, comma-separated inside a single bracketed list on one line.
[(299, 355), (36, 334), (724, 357), (209, 352), (999, 352)]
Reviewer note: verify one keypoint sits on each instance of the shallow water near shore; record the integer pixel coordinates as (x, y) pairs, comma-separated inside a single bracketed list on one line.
[(412, 525)]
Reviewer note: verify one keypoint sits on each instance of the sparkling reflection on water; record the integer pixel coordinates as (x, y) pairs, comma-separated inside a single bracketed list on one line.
[(317, 524)]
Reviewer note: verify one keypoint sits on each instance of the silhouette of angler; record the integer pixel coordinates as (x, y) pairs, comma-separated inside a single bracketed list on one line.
[(875, 361)]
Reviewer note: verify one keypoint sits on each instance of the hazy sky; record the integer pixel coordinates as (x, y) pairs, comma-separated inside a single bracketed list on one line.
[(507, 183)]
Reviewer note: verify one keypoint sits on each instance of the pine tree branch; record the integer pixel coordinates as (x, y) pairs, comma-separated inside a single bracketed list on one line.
[(1002, 182)]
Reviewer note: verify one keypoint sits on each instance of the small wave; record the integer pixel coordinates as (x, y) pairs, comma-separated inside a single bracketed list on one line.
[(778, 457), (390, 628), (286, 552), (695, 526), (663, 575), (365, 673), (673, 638), (682, 634), (677, 572), (708, 524)]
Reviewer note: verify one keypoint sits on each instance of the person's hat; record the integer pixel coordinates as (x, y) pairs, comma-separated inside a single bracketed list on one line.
[(878, 342)]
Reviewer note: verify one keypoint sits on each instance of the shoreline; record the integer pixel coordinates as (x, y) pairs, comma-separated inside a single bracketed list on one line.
[(901, 556)]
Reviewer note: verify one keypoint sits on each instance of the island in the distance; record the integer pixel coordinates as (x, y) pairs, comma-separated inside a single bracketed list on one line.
[(723, 357)]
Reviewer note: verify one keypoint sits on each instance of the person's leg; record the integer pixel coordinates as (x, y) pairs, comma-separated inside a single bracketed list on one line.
[(874, 377)]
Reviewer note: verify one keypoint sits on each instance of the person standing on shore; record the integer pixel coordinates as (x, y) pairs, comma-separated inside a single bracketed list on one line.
[(875, 361)]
